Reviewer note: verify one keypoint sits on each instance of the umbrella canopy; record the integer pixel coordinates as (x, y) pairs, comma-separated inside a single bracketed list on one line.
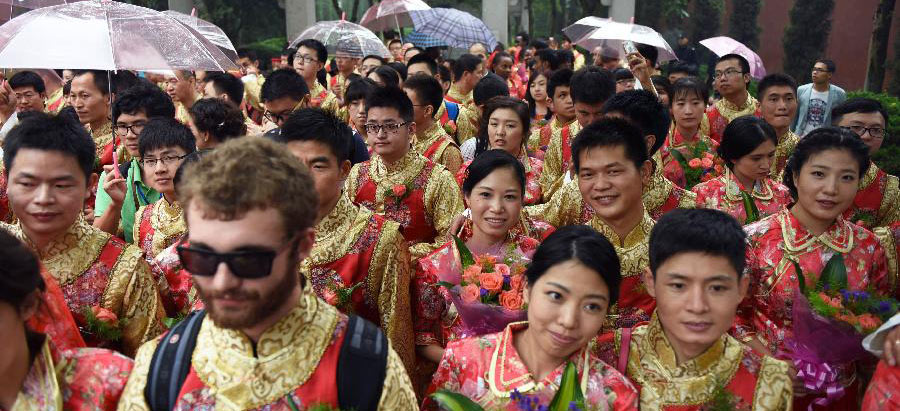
[(390, 14), (17, 7), (209, 31), (723, 45), (341, 36), (106, 36), (424, 41), (584, 26), (611, 34), (455, 27)]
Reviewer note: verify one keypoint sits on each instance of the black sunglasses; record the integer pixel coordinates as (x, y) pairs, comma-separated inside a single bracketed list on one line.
[(243, 264)]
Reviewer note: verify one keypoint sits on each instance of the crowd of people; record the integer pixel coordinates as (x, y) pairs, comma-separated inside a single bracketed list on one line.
[(330, 234)]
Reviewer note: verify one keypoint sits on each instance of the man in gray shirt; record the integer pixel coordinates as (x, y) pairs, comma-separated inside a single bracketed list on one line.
[(815, 100)]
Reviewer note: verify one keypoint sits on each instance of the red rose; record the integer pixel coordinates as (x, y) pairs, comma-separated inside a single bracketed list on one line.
[(330, 297), (517, 282), (471, 273), (493, 282), (399, 190), (694, 163), (470, 293), (104, 315), (512, 300)]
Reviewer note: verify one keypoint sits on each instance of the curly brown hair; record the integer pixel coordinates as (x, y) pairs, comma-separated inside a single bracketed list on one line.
[(252, 173)]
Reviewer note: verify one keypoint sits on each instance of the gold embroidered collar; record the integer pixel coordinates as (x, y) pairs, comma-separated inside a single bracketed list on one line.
[(731, 111), (639, 235), (838, 237), (428, 137), (70, 254), (869, 177), (168, 223), (457, 95), (658, 190), (762, 189), (101, 136), (400, 172)]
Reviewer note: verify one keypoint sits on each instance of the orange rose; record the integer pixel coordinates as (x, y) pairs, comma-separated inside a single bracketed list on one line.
[(694, 163), (105, 315), (399, 190), (706, 162), (869, 322), (512, 300), (471, 273), (492, 282), (330, 297), (470, 293), (501, 269), (834, 302), (517, 282)]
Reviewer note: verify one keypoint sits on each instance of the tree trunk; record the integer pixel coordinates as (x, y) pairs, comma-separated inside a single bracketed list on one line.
[(530, 28), (554, 17), (881, 32), (354, 11), (337, 8)]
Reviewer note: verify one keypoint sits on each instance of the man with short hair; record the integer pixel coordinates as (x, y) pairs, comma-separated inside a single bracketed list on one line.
[(431, 140), (182, 89), (370, 63), (29, 91), (347, 58), (777, 94), (265, 339), (359, 262), (479, 50), (253, 81), (679, 70), (467, 70), (227, 87), (49, 162), (356, 94), (563, 114), (92, 98), (579, 58), (309, 59), (395, 46), (546, 60), (731, 79), (448, 113), (817, 99), (605, 57), (283, 93)]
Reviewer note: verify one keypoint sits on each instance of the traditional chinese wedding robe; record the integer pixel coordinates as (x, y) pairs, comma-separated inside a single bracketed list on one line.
[(456, 96), (176, 287), (436, 145), (54, 319), (6, 215), (323, 98), (293, 366), (672, 169), (883, 393), (95, 269), (877, 203), (533, 168), (558, 158), (357, 248), (157, 226), (723, 112), (786, 146), (418, 194), (661, 195), (539, 140), (468, 122), (756, 382), (724, 194), (104, 142), (488, 370)]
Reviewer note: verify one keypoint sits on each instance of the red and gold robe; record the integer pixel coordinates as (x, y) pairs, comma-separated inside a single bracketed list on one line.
[(877, 203), (724, 194), (357, 248), (436, 145), (56, 101), (95, 269), (104, 141), (456, 96), (783, 151), (661, 195), (488, 370), (533, 167), (292, 366), (54, 319), (6, 215), (539, 140), (176, 287), (671, 167), (756, 382), (157, 226), (723, 112), (446, 122), (467, 123), (558, 158), (418, 194), (323, 98)]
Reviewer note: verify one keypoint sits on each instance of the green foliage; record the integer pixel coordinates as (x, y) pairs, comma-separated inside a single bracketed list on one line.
[(749, 208), (806, 36), (453, 401), (888, 157), (464, 254), (569, 395), (743, 25), (706, 19)]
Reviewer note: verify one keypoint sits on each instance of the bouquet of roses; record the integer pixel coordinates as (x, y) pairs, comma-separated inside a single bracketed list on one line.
[(488, 294), (699, 166)]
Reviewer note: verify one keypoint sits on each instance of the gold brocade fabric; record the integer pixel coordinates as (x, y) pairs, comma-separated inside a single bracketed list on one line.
[(167, 221), (659, 190), (455, 94), (633, 250), (534, 140), (102, 137), (786, 146), (448, 155), (467, 123), (566, 207), (40, 389), (329, 103), (731, 111), (889, 209), (664, 383), (555, 166)]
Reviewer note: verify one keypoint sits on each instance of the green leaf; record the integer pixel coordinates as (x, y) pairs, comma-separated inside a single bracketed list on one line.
[(445, 284), (464, 254), (750, 208), (680, 158), (835, 273), (569, 391), (454, 401), (801, 279)]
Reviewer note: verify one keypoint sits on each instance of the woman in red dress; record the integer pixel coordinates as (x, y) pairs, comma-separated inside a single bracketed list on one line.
[(748, 149), (687, 105), (823, 176), (572, 281), (538, 100)]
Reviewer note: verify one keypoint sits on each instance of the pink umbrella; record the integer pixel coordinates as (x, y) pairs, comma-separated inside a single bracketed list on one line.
[(18, 6), (723, 45), (391, 14)]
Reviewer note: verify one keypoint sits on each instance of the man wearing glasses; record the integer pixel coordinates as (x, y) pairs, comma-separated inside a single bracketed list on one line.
[(264, 340), (816, 99), (283, 93), (310, 57), (730, 79)]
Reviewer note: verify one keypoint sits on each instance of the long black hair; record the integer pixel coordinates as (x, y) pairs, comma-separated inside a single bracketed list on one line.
[(822, 139), (743, 135), (487, 163), (494, 104)]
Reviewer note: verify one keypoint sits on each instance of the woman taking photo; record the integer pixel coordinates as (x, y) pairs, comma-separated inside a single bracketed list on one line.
[(748, 149), (571, 283)]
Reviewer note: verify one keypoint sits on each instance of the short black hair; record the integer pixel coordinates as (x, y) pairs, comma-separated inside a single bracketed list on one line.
[(162, 132), (592, 85), (524, 35), (359, 89), (444, 72), (101, 80), (550, 56), (858, 105), (466, 62), (248, 53), (232, 86), (283, 83), (644, 109), (391, 97), (27, 79), (688, 86), (400, 68), (222, 119), (705, 231), (317, 46), (648, 52), (388, 76), (380, 59), (20, 272), (44, 132), (678, 66), (610, 132), (538, 44), (822, 139), (661, 83), (559, 78), (773, 80), (742, 61), (622, 73), (488, 87), (394, 40), (315, 124), (565, 56), (486, 163), (146, 97), (829, 64), (428, 89), (428, 61), (583, 244), (743, 135)]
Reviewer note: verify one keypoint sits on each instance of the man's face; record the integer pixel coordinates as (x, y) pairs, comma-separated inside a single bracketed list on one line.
[(346, 64), (306, 63), (68, 75), (328, 175), (237, 303), (90, 103), (128, 128), (588, 113), (27, 99), (730, 80), (610, 183), (419, 68), (561, 102), (478, 50), (396, 49), (503, 67), (421, 111), (624, 84), (778, 106), (520, 41), (46, 191), (278, 110), (159, 168), (199, 81), (357, 111), (391, 145), (820, 73), (369, 65), (181, 87), (209, 91), (864, 125), (697, 295), (248, 65), (477, 75)]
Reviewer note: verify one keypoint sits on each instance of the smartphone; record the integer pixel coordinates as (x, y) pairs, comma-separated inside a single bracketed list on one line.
[(629, 47)]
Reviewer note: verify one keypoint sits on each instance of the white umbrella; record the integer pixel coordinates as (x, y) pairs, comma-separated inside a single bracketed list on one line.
[(345, 37), (210, 31), (390, 14), (106, 35), (584, 26), (611, 34)]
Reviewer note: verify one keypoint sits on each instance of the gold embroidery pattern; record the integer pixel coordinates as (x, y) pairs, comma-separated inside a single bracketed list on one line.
[(40, 389), (389, 277), (70, 255), (731, 111), (336, 233), (658, 191), (167, 222), (102, 137), (784, 150), (774, 388), (457, 95), (633, 252), (132, 294), (443, 202)]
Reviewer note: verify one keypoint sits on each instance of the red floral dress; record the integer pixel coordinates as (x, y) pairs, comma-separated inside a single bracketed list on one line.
[(877, 203), (724, 194), (54, 319), (488, 370), (671, 167), (533, 168), (176, 287), (883, 393), (5, 211)]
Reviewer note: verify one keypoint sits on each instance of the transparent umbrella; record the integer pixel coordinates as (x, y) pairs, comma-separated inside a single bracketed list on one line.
[(106, 35), (611, 34), (344, 37), (391, 14), (17, 7), (210, 31)]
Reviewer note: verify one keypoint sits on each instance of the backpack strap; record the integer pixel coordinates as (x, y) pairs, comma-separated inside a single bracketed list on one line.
[(362, 366), (624, 350), (452, 110), (171, 362)]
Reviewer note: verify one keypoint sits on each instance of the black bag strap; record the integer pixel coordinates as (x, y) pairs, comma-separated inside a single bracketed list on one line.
[(171, 362), (362, 366)]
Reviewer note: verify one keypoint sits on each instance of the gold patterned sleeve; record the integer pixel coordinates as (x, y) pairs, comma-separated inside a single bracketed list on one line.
[(889, 211), (452, 159), (774, 388), (552, 166), (534, 140), (133, 296), (350, 187), (252, 90), (132, 398), (688, 200), (466, 124), (397, 394), (136, 230), (443, 202), (562, 209), (391, 257), (330, 104)]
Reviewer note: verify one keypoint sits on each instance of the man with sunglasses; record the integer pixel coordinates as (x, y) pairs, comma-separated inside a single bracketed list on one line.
[(266, 340), (121, 192), (398, 182), (283, 93), (309, 59), (731, 79)]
